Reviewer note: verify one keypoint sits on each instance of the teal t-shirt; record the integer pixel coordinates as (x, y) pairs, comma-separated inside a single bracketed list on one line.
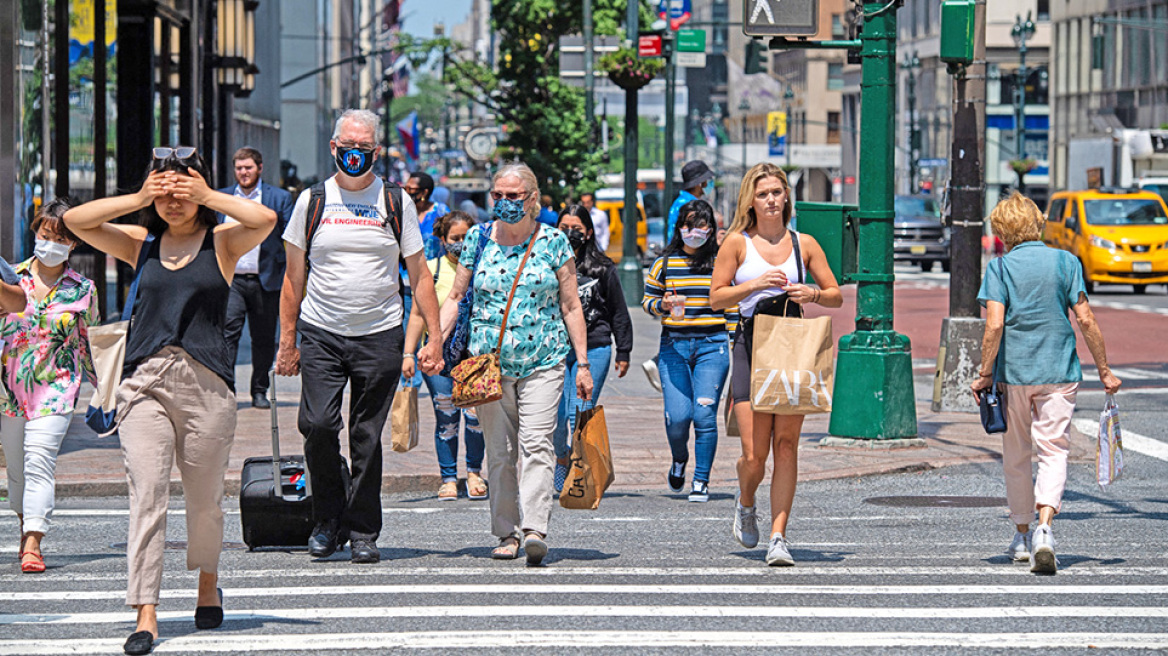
[(1038, 285), (536, 337)]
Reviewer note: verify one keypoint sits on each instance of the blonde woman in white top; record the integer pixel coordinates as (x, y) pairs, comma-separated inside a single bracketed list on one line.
[(760, 265)]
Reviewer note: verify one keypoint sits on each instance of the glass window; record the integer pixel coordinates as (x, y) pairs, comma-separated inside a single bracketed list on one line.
[(1125, 211), (1055, 211), (916, 206), (835, 77), (837, 27)]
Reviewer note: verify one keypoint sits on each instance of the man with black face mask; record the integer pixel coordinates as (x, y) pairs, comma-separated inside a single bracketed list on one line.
[(349, 315)]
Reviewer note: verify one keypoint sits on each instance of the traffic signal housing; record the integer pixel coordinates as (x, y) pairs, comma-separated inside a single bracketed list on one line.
[(755, 50)]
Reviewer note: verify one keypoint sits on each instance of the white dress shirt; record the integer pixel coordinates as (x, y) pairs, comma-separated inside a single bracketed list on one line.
[(250, 261)]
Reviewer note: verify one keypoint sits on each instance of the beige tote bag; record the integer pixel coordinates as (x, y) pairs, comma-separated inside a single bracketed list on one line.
[(793, 366)]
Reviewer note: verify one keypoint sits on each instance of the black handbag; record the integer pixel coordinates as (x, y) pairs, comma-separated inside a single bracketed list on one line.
[(990, 401)]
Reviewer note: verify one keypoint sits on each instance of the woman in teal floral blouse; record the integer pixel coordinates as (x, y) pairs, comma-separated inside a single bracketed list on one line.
[(45, 358), (546, 319)]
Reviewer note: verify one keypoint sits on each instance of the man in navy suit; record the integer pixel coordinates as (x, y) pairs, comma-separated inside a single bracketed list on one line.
[(259, 275)]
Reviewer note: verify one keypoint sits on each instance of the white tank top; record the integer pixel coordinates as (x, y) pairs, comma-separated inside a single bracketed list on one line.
[(753, 266)]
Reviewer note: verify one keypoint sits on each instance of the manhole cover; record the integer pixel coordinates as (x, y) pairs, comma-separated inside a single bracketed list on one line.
[(180, 545), (937, 502)]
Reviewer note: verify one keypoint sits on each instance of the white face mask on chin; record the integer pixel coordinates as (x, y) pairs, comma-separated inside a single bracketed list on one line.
[(50, 253)]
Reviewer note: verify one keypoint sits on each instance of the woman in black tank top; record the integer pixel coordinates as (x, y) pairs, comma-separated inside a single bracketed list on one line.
[(176, 400)]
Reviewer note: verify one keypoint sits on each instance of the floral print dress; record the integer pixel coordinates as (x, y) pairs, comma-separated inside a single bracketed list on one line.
[(46, 347)]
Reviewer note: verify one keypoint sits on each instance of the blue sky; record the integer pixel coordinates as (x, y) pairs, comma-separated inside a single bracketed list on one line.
[(419, 16)]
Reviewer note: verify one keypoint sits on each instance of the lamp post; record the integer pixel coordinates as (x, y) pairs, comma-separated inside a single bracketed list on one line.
[(788, 96), (1021, 32), (744, 107), (911, 64)]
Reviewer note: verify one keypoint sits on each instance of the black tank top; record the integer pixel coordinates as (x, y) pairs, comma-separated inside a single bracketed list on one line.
[(186, 308)]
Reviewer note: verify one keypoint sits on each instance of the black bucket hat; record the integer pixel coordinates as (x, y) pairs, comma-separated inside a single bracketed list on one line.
[(695, 174)]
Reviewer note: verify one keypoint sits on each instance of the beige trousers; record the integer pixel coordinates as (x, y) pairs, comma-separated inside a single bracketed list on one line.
[(1038, 414), (173, 409), (520, 457)]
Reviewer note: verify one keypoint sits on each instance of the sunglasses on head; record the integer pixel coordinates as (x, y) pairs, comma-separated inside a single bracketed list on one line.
[(181, 152)]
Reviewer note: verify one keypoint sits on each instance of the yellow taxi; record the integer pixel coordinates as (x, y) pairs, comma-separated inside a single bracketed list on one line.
[(612, 202), (1119, 235)]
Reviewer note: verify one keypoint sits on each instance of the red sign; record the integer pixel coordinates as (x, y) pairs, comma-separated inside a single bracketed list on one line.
[(649, 46)]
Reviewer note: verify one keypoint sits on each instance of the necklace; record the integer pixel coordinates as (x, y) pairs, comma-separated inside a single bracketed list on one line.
[(773, 242)]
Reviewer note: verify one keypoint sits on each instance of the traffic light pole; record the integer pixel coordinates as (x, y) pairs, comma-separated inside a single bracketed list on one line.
[(667, 48), (630, 265), (874, 396)]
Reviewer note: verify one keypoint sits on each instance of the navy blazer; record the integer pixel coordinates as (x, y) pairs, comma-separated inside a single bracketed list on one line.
[(272, 257)]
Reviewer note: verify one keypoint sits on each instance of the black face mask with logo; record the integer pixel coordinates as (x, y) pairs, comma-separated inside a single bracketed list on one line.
[(354, 162)]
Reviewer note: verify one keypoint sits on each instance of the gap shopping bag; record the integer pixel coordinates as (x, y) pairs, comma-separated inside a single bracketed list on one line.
[(1109, 445), (590, 472), (794, 369), (403, 419)]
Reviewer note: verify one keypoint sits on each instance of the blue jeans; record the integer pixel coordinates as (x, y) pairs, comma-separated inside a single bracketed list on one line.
[(407, 304), (446, 426), (693, 372), (598, 360)]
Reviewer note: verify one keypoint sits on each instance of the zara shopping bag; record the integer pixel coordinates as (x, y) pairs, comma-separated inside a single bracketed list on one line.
[(590, 472), (1109, 445), (794, 368)]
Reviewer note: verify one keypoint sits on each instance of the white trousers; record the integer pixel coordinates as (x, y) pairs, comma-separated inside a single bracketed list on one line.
[(30, 449)]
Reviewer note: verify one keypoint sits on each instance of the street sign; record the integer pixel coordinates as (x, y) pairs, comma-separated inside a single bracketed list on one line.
[(691, 40), (649, 46), (690, 59), (932, 163), (675, 8), (780, 17), (777, 134)]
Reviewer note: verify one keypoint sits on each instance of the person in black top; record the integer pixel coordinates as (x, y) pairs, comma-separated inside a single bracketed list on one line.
[(176, 401), (606, 317)]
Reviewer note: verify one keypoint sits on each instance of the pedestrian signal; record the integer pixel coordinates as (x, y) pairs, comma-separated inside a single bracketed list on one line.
[(780, 17), (754, 57)]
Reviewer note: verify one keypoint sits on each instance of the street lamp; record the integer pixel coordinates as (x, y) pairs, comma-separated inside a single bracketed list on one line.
[(911, 64), (1021, 32), (744, 107)]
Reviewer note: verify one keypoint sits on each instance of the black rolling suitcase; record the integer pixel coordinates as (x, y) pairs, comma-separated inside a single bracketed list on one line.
[(274, 518)]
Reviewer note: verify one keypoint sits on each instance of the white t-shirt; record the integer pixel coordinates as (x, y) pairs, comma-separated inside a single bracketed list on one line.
[(600, 227), (353, 264)]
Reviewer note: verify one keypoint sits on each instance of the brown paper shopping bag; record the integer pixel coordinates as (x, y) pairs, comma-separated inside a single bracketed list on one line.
[(793, 367), (591, 469), (404, 419)]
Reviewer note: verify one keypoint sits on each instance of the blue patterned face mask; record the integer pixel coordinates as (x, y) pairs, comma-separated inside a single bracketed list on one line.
[(454, 248), (509, 211)]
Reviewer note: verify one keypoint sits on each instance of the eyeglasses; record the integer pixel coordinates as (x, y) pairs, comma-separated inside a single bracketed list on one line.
[(359, 146), (181, 152), (495, 195)]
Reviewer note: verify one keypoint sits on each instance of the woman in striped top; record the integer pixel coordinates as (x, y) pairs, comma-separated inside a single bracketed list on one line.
[(694, 356)]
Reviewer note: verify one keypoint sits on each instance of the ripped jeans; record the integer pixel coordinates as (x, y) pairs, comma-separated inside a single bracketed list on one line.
[(446, 429), (693, 371)]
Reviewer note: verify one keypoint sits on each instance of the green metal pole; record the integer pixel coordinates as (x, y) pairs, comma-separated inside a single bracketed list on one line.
[(670, 102), (874, 388), (630, 268)]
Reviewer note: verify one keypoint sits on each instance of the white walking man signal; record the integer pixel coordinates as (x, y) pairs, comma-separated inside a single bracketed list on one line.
[(759, 7)]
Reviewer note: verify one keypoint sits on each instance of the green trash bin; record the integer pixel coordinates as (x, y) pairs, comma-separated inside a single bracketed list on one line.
[(833, 226)]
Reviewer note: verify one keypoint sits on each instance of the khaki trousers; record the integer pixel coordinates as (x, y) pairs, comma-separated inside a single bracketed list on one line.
[(1038, 414), (173, 409), (520, 457)]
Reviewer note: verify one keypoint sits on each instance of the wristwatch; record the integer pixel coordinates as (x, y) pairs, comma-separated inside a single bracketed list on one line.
[(582, 363)]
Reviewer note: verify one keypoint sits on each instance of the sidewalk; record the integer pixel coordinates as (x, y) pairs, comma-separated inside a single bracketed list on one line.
[(92, 466)]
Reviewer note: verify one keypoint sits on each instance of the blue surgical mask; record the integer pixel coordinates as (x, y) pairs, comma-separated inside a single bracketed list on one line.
[(509, 211)]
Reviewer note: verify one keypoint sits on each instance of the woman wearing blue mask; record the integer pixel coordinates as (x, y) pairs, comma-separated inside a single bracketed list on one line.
[(606, 317), (694, 357), (451, 229), (524, 297)]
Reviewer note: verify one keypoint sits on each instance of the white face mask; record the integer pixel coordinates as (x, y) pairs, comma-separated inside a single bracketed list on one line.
[(50, 253)]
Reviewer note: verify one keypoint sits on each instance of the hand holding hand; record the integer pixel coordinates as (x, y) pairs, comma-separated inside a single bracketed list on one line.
[(191, 187), (288, 361), (430, 358), (584, 383)]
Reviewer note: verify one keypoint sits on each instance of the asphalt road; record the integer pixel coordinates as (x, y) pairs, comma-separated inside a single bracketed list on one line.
[(907, 563)]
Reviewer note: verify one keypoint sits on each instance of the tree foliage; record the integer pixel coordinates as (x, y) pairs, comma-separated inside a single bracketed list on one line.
[(542, 118)]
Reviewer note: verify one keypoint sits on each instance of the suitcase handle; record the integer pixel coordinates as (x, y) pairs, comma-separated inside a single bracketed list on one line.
[(277, 481)]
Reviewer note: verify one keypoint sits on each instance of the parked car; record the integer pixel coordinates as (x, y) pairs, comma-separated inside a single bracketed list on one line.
[(1120, 235), (654, 240), (918, 235)]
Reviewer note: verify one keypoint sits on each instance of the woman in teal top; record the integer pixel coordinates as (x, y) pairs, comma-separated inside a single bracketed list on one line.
[(546, 319), (1027, 294)]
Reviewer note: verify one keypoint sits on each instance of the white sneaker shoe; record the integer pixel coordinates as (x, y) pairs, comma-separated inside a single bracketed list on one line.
[(650, 369), (1042, 558), (1019, 548), (779, 553), (700, 492), (745, 525)]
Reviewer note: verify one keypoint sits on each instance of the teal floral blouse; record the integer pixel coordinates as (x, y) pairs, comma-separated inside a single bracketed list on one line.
[(46, 347), (536, 337)]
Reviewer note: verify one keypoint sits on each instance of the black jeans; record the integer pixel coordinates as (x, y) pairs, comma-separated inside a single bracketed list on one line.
[(371, 365), (262, 309)]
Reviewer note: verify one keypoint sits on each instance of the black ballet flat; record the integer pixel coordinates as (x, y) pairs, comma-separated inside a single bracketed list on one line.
[(209, 617), (140, 642)]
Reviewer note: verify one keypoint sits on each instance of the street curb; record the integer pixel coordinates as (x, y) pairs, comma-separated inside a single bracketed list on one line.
[(874, 445)]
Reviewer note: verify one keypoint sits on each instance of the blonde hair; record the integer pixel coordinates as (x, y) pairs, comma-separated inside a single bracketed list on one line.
[(527, 177), (1016, 219), (744, 217)]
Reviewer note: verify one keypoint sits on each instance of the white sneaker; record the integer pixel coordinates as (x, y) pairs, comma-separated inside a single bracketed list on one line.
[(1042, 558), (650, 369), (1019, 548), (700, 493), (779, 552), (745, 525)]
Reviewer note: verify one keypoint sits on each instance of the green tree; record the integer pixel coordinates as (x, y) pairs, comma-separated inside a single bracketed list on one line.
[(543, 118)]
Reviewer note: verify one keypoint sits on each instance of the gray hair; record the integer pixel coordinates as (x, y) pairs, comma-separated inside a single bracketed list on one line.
[(363, 117), (527, 177)]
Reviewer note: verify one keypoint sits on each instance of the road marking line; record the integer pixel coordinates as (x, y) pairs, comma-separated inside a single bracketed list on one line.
[(338, 642), (1158, 391), (1125, 373), (615, 589), (125, 512), (1131, 441), (299, 614)]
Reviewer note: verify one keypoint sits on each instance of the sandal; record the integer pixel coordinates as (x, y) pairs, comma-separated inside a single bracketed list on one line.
[(35, 566), (508, 549), (476, 487)]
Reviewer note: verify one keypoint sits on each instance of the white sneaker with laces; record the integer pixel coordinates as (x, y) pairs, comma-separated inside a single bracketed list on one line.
[(779, 553), (1042, 558), (745, 525), (1019, 548)]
